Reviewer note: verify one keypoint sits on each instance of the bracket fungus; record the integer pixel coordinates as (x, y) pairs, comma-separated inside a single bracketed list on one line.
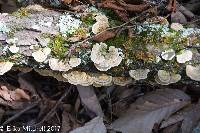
[(5, 67), (184, 56), (168, 54), (101, 24), (176, 26), (102, 80), (193, 72), (57, 65), (79, 78), (105, 58), (41, 54), (122, 81), (139, 73), (165, 78)]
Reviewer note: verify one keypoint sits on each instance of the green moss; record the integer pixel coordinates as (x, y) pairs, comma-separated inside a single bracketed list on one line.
[(117, 41), (58, 46), (88, 19), (22, 12), (81, 32)]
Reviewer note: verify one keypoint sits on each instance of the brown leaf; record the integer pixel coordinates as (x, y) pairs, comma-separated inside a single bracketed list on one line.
[(15, 95), (65, 122), (111, 5), (151, 109), (5, 94), (171, 6), (19, 94), (79, 8), (135, 8), (67, 1), (103, 36), (123, 15)]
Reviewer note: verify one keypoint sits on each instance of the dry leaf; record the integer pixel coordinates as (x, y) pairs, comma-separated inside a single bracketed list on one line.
[(96, 125), (178, 17), (15, 95), (191, 118), (19, 94), (188, 118), (4, 93), (104, 36), (151, 109), (67, 1), (89, 99), (65, 122)]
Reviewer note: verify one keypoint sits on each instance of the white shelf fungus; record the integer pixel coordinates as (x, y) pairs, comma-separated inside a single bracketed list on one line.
[(168, 54), (105, 59), (74, 62), (102, 80), (57, 65), (184, 56), (139, 73), (79, 78), (101, 18), (41, 55), (176, 26), (122, 81), (165, 78), (101, 25), (5, 67), (12, 40), (193, 72), (13, 49)]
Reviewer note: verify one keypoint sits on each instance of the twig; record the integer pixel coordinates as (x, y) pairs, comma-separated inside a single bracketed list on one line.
[(20, 113), (55, 106)]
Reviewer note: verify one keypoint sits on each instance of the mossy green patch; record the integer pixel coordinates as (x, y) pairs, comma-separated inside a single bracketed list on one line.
[(117, 41), (22, 12), (88, 19), (58, 46)]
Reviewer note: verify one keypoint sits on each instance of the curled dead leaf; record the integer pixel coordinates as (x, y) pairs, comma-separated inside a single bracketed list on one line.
[(19, 94), (67, 1), (134, 8), (111, 5), (13, 95), (123, 15), (103, 36), (4, 93)]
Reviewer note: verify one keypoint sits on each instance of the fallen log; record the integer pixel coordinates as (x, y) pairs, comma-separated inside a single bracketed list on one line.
[(62, 46)]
